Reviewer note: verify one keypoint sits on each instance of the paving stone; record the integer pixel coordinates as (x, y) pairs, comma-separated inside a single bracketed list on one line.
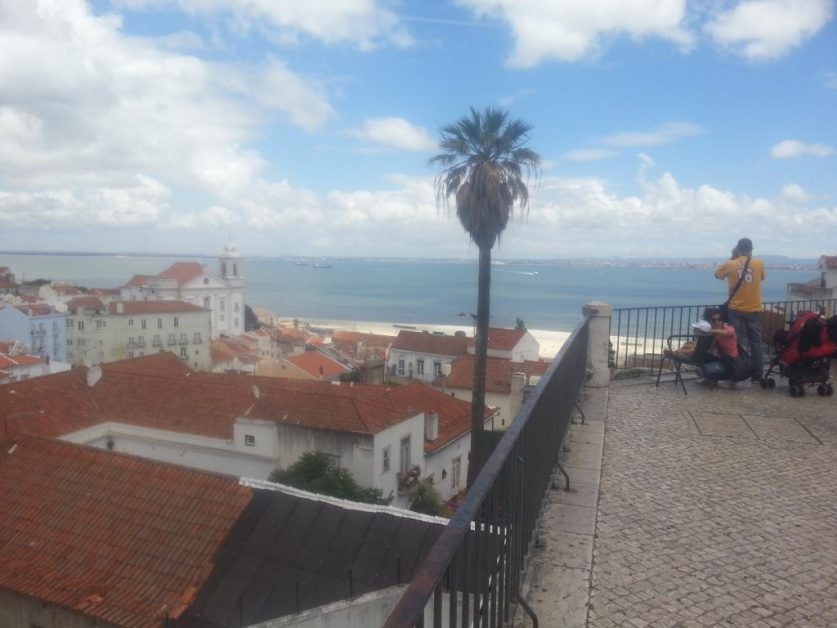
[(714, 509)]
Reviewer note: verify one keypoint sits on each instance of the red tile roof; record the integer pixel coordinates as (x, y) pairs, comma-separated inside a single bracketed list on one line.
[(318, 364), (504, 339), (104, 292), (436, 344), (7, 284), (354, 337), (828, 261), (138, 280), (11, 361), (497, 376), (159, 391), (111, 536), (86, 303), (36, 309), (182, 272), (137, 308)]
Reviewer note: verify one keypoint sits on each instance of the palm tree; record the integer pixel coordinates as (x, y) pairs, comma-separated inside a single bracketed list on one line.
[(484, 159)]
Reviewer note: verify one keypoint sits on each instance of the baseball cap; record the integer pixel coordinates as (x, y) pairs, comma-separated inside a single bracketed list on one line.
[(745, 245)]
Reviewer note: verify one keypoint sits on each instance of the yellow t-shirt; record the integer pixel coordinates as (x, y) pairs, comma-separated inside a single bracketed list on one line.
[(748, 296)]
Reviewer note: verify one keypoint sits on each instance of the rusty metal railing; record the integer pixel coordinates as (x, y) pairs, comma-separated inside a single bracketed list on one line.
[(472, 575)]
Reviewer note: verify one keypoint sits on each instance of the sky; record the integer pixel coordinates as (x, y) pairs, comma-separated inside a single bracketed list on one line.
[(665, 127)]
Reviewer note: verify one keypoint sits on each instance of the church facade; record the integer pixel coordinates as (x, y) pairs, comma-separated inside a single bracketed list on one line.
[(221, 292)]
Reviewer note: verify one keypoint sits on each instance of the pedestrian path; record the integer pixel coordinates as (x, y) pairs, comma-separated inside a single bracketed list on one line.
[(714, 509)]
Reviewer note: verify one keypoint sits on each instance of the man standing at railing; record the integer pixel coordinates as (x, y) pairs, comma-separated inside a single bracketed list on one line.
[(744, 274)]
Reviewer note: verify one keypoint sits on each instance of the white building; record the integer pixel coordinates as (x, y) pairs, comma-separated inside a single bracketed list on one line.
[(423, 355), (823, 287), (220, 292), (98, 332), (388, 438), (39, 326)]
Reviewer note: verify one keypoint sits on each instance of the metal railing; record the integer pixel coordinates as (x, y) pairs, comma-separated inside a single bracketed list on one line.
[(473, 572), (638, 334)]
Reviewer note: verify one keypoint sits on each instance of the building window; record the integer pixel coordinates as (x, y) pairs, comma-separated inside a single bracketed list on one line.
[(235, 323), (184, 338), (249, 440), (207, 303), (130, 354), (130, 341), (81, 325), (156, 341), (100, 324), (130, 322), (386, 464), (69, 322), (456, 472), (172, 340), (404, 463), (183, 353), (142, 323), (222, 304), (176, 322), (437, 369), (401, 367), (159, 323), (197, 337), (420, 367)]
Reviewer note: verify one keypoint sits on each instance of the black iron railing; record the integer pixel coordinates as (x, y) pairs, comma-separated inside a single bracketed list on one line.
[(638, 334), (473, 572)]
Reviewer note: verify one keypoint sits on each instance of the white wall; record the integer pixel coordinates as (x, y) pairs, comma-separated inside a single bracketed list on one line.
[(391, 437), (526, 349), (410, 362)]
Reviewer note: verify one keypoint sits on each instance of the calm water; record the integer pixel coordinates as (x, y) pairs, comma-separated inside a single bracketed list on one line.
[(422, 291)]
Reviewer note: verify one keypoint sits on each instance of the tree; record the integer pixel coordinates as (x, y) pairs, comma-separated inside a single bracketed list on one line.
[(251, 321), (318, 473), (484, 161), (425, 498)]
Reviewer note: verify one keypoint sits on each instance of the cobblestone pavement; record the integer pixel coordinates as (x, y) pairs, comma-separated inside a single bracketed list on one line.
[(716, 509)]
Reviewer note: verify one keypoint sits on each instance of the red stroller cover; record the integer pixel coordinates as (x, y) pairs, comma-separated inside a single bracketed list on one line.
[(808, 339)]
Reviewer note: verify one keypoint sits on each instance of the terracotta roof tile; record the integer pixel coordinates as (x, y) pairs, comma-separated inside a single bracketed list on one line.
[(115, 537), (183, 272), (86, 303), (436, 344), (10, 361), (138, 280), (354, 337), (497, 376), (829, 261), (318, 364), (161, 392)]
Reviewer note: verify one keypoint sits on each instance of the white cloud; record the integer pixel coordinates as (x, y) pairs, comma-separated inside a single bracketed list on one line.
[(574, 29), (393, 133), (362, 23), (795, 193), (768, 29), (664, 134), (787, 149), (588, 154)]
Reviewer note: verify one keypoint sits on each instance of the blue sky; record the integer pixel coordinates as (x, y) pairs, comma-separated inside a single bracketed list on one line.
[(667, 128)]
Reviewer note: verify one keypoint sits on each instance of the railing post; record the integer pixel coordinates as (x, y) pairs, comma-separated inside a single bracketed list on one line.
[(597, 343)]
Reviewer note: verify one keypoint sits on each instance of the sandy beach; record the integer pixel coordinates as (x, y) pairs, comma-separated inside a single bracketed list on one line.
[(550, 341)]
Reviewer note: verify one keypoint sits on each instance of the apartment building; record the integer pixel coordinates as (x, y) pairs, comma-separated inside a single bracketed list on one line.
[(99, 332)]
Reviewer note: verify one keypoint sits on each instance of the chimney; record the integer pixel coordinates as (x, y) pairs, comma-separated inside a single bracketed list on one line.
[(431, 426), (94, 374), (518, 382)]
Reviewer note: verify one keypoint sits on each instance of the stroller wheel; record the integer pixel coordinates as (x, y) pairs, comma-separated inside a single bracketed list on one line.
[(822, 391), (763, 383), (796, 390), (771, 383)]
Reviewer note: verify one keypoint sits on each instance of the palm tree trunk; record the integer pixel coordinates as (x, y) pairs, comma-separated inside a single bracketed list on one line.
[(480, 360)]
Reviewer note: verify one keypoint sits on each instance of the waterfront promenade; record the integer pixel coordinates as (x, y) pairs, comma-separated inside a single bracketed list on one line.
[(714, 509)]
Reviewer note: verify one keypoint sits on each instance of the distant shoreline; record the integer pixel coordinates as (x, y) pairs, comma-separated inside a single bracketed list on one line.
[(776, 262)]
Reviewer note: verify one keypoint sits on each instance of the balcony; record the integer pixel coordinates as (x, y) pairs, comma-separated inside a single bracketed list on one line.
[(667, 498)]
